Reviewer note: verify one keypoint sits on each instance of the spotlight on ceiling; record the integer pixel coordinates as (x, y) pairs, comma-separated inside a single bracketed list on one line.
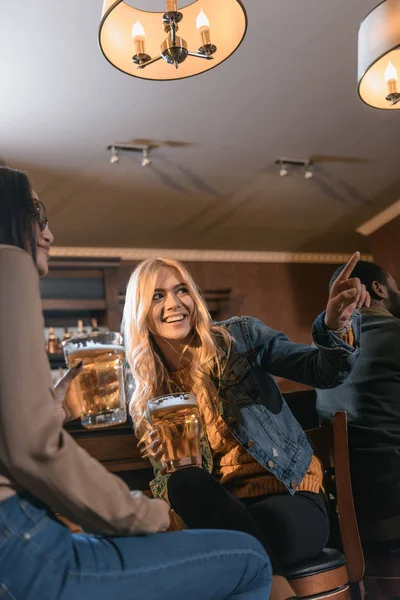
[(114, 155), (146, 162), (308, 172), (283, 171), (118, 147)]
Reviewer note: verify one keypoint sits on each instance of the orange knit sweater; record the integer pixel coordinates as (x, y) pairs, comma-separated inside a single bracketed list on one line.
[(242, 475)]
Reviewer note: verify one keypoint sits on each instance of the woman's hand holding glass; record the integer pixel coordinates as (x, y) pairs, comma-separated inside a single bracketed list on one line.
[(67, 396), (153, 448)]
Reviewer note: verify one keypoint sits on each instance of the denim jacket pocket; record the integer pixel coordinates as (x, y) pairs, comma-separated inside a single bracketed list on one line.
[(238, 382)]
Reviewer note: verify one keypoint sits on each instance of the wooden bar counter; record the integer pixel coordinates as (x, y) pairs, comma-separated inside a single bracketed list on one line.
[(116, 448)]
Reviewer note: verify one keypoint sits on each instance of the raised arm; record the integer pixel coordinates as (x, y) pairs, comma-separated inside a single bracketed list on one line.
[(330, 360), (34, 449), (324, 365), (345, 296)]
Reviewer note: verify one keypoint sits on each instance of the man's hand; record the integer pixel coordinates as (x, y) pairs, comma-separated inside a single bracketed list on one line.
[(345, 296)]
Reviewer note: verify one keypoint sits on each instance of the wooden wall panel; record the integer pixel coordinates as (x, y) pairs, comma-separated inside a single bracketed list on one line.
[(385, 247), (286, 297)]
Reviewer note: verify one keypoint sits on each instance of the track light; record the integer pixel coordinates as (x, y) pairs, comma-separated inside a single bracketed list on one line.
[(118, 147), (146, 162), (308, 172), (114, 155), (283, 171), (285, 164)]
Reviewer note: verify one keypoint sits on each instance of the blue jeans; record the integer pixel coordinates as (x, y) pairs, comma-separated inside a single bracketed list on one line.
[(40, 559)]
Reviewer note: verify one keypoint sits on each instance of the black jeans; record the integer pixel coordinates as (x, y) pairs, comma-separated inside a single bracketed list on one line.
[(291, 528)]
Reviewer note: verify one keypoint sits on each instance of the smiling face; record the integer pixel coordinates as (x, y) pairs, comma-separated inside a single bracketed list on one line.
[(171, 313)]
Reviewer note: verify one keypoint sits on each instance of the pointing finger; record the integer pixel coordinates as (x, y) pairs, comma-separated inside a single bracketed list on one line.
[(345, 274)]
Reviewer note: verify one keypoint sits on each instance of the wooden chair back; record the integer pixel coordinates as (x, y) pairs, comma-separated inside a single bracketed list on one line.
[(331, 446)]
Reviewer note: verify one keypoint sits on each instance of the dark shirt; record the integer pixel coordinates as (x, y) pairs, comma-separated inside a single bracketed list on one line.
[(371, 397)]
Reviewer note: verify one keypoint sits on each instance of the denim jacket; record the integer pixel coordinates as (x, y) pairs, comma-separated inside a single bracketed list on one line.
[(252, 405)]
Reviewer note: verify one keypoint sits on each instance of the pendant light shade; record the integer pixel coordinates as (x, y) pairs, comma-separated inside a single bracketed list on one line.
[(379, 56), (205, 34)]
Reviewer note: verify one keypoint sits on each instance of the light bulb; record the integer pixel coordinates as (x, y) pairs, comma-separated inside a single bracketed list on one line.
[(146, 162), (390, 73), (138, 35), (138, 30), (114, 156), (283, 171), (203, 27), (202, 20)]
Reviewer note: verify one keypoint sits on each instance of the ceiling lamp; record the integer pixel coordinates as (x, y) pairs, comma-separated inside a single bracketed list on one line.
[(379, 56), (148, 44)]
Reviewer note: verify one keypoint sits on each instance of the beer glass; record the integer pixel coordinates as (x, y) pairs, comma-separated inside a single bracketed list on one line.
[(100, 383), (176, 417)]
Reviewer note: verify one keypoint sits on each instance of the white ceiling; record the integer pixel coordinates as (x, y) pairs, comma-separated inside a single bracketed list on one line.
[(289, 90)]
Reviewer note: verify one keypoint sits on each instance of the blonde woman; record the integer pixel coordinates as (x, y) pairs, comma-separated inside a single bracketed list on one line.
[(259, 473)]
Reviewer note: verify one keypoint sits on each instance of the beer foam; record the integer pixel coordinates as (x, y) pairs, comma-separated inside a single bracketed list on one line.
[(172, 401), (93, 346)]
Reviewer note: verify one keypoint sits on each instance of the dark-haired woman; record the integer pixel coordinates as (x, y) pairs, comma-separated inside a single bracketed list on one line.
[(42, 469)]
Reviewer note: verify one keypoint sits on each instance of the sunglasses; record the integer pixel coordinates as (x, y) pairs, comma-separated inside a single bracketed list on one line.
[(40, 214)]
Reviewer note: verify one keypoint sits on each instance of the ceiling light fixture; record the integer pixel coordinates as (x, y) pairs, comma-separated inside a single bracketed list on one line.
[(119, 147), (213, 31), (379, 56)]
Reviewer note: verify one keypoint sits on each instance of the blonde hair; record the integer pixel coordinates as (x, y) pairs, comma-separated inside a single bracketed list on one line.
[(149, 372)]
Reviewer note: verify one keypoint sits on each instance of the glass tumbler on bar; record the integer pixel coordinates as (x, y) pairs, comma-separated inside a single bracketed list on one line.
[(100, 383), (176, 417)]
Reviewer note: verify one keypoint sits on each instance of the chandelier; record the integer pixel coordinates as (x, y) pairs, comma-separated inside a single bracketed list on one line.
[(379, 56), (149, 44)]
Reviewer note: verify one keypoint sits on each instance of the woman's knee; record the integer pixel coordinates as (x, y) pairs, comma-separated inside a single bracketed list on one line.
[(243, 541), (235, 543), (189, 481), (257, 557)]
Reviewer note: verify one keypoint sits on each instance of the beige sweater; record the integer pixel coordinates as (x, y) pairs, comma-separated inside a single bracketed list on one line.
[(36, 454)]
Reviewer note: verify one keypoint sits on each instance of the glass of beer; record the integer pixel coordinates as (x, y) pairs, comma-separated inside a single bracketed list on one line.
[(176, 418), (100, 383)]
